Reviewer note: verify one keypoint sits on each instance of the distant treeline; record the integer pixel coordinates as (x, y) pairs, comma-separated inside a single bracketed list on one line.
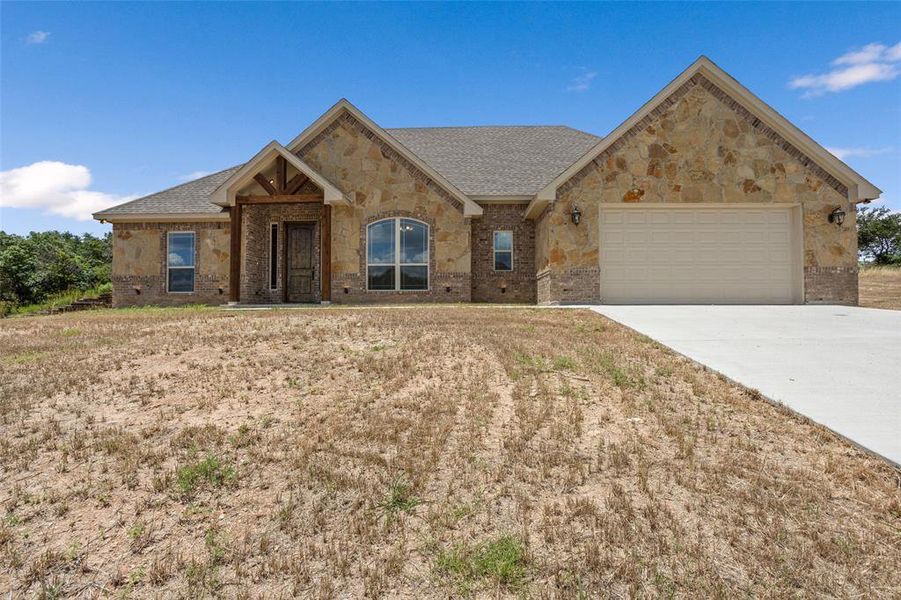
[(40, 265)]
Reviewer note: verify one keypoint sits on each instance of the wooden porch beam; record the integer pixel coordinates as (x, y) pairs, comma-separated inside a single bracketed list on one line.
[(325, 233), (234, 272), (293, 186), (281, 174), (261, 179), (280, 199)]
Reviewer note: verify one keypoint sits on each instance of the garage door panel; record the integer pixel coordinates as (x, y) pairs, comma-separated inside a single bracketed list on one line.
[(636, 217), (697, 255)]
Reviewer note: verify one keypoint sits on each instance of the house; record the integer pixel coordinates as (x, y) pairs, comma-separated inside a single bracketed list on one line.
[(704, 195)]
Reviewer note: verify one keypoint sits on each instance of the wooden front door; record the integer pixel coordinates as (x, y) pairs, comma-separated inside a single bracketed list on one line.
[(299, 265)]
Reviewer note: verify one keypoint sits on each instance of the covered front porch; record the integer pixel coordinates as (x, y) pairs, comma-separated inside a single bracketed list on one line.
[(280, 224)]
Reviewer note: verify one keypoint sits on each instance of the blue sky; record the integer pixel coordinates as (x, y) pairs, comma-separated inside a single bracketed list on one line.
[(106, 101)]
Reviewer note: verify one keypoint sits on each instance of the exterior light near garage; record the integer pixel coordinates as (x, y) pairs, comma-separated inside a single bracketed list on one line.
[(837, 216), (576, 215)]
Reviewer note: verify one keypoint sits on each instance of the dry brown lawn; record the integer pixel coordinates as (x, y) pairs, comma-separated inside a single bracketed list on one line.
[(880, 287), (414, 452)]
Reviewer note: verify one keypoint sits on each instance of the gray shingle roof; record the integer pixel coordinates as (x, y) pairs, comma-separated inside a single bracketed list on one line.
[(480, 161), (491, 161), (187, 198)]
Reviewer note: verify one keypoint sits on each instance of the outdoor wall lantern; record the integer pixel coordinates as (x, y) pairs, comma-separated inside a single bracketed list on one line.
[(576, 215), (837, 216)]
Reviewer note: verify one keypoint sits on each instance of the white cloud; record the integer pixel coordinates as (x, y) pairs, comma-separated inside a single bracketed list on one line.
[(37, 37), (873, 62), (581, 82), (194, 175), (55, 187), (844, 153)]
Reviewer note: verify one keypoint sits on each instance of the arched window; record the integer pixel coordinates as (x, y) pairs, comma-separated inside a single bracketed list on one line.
[(397, 255)]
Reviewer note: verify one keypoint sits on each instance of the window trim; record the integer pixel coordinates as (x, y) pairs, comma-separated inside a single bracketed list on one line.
[(193, 267), (397, 264), (495, 251), (273, 256)]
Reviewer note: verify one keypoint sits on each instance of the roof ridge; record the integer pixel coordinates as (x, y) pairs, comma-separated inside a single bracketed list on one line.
[(482, 127)]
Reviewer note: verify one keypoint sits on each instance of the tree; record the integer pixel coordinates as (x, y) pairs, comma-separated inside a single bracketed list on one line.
[(879, 235), (17, 267), (46, 263)]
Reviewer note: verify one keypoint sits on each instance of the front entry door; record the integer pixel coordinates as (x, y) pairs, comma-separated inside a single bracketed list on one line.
[(299, 263)]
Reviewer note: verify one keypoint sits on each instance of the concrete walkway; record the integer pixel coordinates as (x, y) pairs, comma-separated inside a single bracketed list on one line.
[(838, 365)]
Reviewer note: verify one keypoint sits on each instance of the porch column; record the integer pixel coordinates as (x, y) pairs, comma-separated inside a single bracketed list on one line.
[(325, 233), (234, 275)]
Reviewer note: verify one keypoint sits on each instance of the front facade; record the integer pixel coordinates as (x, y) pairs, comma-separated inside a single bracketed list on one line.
[(705, 195)]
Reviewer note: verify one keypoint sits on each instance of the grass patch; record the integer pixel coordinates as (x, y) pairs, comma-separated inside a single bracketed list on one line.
[(399, 499), (564, 363), (211, 472), (608, 367), (27, 357), (501, 561)]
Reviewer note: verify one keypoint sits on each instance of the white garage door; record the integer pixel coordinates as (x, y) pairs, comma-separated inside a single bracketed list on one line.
[(698, 255)]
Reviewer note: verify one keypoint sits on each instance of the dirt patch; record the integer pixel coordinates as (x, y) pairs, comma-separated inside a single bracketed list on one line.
[(414, 452)]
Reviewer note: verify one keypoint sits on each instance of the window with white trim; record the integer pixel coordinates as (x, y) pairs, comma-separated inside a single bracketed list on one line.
[(503, 250), (397, 255), (273, 256), (180, 262)]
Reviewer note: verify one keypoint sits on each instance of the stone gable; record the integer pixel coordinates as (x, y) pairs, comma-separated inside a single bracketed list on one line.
[(381, 184)]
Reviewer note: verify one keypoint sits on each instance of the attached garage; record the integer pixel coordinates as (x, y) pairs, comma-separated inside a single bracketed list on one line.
[(698, 254)]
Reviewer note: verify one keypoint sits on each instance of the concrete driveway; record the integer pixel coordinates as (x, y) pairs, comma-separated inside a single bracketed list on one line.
[(838, 365)]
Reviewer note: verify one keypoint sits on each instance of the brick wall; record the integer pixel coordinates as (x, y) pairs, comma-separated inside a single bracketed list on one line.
[(443, 287), (579, 285), (830, 285), (517, 285), (255, 245), (139, 264)]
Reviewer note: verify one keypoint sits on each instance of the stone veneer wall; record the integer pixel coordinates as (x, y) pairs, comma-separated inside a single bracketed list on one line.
[(139, 264), (489, 285), (255, 247), (382, 184), (699, 145)]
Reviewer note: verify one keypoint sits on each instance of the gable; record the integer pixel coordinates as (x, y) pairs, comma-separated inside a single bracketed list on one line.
[(224, 195), (747, 107), (721, 122), (344, 114)]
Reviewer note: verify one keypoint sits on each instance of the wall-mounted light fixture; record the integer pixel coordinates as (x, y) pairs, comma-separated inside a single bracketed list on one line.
[(837, 216), (576, 215)]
